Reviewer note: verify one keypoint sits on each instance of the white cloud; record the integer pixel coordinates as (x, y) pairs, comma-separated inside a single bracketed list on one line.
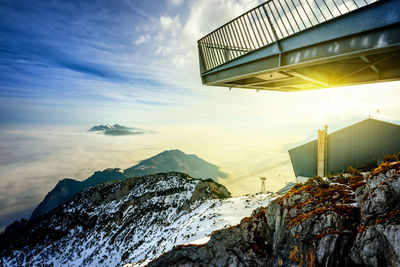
[(172, 51), (142, 39), (177, 38), (170, 24), (175, 2)]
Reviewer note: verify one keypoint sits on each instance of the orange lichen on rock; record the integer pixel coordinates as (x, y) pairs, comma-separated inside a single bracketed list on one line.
[(356, 182), (312, 190), (245, 219), (355, 179), (357, 185), (384, 167), (339, 209), (303, 257), (314, 200), (260, 213), (311, 258), (332, 194), (319, 236), (362, 229), (294, 254), (391, 215)]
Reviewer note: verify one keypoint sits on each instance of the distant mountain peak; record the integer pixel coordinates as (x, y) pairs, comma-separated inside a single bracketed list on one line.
[(176, 160), (101, 127), (116, 130)]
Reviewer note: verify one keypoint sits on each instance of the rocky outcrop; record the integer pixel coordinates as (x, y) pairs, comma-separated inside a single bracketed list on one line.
[(209, 190), (347, 221), (378, 238)]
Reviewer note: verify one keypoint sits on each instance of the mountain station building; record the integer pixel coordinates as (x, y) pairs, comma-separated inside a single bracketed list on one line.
[(362, 145)]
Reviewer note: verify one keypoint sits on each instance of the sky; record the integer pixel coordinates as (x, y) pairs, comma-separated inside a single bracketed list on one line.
[(66, 66)]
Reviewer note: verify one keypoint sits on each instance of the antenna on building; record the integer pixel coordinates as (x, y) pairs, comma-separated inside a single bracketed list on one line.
[(263, 189)]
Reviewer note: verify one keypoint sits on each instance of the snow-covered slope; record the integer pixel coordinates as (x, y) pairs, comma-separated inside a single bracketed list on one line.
[(131, 221), (195, 226)]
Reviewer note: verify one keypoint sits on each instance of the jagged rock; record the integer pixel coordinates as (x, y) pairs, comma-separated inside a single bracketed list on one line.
[(374, 246), (209, 191), (378, 240), (351, 222)]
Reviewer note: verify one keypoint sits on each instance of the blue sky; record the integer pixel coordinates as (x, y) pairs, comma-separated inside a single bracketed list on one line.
[(135, 62), (65, 54), (59, 56), (68, 65)]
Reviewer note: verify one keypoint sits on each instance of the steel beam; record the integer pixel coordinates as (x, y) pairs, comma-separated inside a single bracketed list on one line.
[(310, 55)]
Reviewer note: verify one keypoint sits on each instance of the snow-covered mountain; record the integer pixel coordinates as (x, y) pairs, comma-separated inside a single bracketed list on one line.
[(131, 221), (166, 161), (67, 188)]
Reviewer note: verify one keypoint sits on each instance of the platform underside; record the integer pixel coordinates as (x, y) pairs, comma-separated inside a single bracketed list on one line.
[(359, 48), (359, 69)]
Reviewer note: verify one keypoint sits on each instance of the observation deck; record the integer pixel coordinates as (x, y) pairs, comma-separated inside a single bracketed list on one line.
[(295, 45)]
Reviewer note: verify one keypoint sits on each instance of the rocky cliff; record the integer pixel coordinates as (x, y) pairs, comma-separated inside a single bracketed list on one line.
[(346, 221)]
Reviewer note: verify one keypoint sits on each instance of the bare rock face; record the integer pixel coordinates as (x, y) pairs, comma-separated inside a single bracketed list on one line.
[(378, 239), (209, 190), (350, 222)]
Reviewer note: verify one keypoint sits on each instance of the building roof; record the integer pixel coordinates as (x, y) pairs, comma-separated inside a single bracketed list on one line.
[(349, 127)]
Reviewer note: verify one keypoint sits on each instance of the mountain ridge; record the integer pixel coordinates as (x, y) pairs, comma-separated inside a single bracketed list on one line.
[(118, 222), (66, 188), (166, 161)]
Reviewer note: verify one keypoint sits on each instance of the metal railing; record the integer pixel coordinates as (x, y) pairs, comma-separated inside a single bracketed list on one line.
[(267, 23)]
